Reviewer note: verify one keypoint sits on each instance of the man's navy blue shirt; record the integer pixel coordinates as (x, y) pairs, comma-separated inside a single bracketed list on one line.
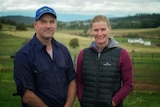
[(48, 78)]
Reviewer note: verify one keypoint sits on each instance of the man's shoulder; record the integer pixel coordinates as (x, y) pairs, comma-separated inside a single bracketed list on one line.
[(58, 44), (26, 47)]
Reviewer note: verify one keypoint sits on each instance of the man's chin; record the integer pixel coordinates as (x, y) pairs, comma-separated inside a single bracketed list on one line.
[(48, 37)]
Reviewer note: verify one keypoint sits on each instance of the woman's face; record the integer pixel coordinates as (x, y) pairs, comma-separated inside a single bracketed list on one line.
[(100, 32)]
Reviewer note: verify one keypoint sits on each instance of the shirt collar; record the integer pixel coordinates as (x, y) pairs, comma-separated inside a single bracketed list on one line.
[(37, 42), (42, 46)]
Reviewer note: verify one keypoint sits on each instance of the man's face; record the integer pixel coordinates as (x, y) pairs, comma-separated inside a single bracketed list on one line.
[(46, 26)]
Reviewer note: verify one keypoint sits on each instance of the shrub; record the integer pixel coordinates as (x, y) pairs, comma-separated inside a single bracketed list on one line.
[(1, 26), (21, 26), (74, 43)]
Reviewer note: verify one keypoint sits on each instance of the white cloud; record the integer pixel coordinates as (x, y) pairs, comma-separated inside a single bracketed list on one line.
[(84, 7)]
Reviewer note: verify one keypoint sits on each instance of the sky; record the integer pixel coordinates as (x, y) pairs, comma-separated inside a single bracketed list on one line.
[(72, 10)]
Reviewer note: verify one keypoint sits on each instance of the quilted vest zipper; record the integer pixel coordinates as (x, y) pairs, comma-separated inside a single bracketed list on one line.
[(97, 77)]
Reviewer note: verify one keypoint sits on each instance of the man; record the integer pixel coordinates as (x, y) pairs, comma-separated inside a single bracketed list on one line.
[(104, 70), (43, 68)]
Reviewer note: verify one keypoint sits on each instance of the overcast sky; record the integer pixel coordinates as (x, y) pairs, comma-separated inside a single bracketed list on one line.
[(68, 10)]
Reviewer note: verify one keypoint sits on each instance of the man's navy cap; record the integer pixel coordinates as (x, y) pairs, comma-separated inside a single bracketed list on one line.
[(44, 10)]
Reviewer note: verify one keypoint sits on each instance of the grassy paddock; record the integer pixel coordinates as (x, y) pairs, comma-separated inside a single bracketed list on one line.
[(135, 99), (146, 33), (146, 70), (142, 99)]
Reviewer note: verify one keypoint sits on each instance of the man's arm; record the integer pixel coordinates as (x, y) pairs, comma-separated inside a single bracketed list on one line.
[(71, 95), (32, 100)]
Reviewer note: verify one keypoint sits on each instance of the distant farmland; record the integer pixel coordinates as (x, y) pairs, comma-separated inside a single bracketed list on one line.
[(146, 61)]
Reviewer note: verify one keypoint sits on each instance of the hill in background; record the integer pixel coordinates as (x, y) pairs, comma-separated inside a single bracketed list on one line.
[(19, 19), (136, 21)]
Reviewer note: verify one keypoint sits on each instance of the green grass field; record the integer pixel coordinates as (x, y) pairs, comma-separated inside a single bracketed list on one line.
[(146, 60)]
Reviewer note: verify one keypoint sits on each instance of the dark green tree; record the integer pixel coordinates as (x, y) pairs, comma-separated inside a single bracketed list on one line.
[(1, 26), (74, 43), (21, 26)]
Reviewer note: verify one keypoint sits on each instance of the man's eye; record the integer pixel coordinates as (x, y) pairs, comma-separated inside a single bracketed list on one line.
[(42, 21), (95, 30), (52, 21)]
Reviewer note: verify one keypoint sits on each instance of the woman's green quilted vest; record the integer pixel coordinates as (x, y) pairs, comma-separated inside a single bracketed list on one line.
[(101, 77)]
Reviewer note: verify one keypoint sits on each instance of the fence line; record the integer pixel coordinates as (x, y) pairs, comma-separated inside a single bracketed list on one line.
[(137, 55)]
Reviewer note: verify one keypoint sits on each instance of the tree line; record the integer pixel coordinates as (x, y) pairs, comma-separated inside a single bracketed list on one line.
[(137, 21)]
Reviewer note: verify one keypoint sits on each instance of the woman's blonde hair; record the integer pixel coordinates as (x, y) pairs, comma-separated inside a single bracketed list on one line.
[(101, 18)]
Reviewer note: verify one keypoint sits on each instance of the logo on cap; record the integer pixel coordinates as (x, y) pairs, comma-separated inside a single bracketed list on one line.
[(44, 10)]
